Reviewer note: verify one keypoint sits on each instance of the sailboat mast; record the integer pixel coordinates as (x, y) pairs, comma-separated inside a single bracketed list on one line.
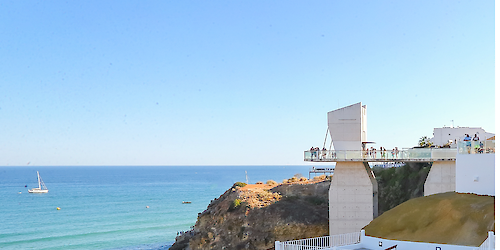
[(38, 176)]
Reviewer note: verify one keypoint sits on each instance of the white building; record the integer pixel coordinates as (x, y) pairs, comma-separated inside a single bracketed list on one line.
[(474, 167), (455, 134)]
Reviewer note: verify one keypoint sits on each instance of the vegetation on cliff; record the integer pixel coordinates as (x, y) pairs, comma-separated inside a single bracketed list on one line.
[(397, 185)]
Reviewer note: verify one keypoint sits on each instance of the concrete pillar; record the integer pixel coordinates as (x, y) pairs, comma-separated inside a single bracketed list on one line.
[(441, 178), (353, 197)]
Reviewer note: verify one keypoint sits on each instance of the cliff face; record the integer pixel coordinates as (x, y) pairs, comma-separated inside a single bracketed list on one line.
[(254, 216), (397, 185)]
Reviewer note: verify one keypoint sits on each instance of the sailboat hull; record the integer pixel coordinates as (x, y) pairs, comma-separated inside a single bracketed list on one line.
[(37, 191)]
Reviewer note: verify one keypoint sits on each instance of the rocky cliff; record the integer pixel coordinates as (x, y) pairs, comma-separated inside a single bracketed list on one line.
[(254, 216)]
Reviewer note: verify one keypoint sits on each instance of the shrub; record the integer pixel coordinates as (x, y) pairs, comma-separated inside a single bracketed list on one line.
[(293, 179), (259, 182), (239, 184), (271, 182), (291, 198), (236, 204), (298, 175), (321, 177), (303, 179), (316, 200)]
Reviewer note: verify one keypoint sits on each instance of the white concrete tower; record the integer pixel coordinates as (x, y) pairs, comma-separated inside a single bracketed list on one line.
[(347, 127), (353, 194)]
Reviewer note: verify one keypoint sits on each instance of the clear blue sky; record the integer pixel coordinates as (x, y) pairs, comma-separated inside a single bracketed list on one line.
[(233, 82)]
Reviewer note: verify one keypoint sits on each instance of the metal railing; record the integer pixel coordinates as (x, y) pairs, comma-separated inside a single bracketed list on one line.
[(410, 154), (317, 243), (489, 243)]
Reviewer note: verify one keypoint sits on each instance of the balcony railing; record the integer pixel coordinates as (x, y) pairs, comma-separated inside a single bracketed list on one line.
[(410, 154), (325, 242), (476, 147)]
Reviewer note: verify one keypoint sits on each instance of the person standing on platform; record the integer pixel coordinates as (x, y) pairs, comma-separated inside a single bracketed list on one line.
[(467, 142), (476, 143)]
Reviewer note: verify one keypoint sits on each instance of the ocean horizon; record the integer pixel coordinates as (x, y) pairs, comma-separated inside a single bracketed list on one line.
[(114, 207)]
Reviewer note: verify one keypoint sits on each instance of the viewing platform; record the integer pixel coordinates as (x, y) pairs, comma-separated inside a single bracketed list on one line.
[(403, 155)]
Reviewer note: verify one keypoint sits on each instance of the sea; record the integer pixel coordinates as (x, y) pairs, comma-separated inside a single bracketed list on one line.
[(113, 207)]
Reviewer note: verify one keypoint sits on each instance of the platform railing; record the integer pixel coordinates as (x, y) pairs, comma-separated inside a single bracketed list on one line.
[(409, 154), (476, 147), (324, 242)]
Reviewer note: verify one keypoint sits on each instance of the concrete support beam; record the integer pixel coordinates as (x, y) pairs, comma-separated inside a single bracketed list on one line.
[(441, 178), (353, 197)]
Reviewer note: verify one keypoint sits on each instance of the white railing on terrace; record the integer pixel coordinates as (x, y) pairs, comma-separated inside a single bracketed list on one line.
[(410, 154), (476, 147), (489, 243), (317, 243)]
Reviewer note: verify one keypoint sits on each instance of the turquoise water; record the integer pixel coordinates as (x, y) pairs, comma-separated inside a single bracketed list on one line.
[(105, 207)]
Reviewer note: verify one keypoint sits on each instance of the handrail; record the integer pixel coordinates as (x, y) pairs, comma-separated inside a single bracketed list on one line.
[(334, 241), (323, 242), (418, 154)]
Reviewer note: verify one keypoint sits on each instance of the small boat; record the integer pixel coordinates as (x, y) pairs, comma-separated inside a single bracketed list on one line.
[(41, 186), (186, 202)]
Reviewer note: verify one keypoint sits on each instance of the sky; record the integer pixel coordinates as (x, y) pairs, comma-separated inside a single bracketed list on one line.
[(234, 82)]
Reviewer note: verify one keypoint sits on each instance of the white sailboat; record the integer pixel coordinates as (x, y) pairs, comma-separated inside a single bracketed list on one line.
[(41, 186)]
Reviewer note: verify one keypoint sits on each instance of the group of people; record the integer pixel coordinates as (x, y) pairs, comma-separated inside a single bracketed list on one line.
[(315, 151), (478, 146), (372, 152), (368, 153), (467, 137)]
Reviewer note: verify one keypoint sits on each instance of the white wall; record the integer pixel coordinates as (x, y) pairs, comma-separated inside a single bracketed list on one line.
[(441, 178), (373, 243), (347, 127), (475, 173)]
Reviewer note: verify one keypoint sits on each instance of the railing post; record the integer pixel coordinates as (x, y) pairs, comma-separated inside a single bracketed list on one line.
[(491, 243)]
